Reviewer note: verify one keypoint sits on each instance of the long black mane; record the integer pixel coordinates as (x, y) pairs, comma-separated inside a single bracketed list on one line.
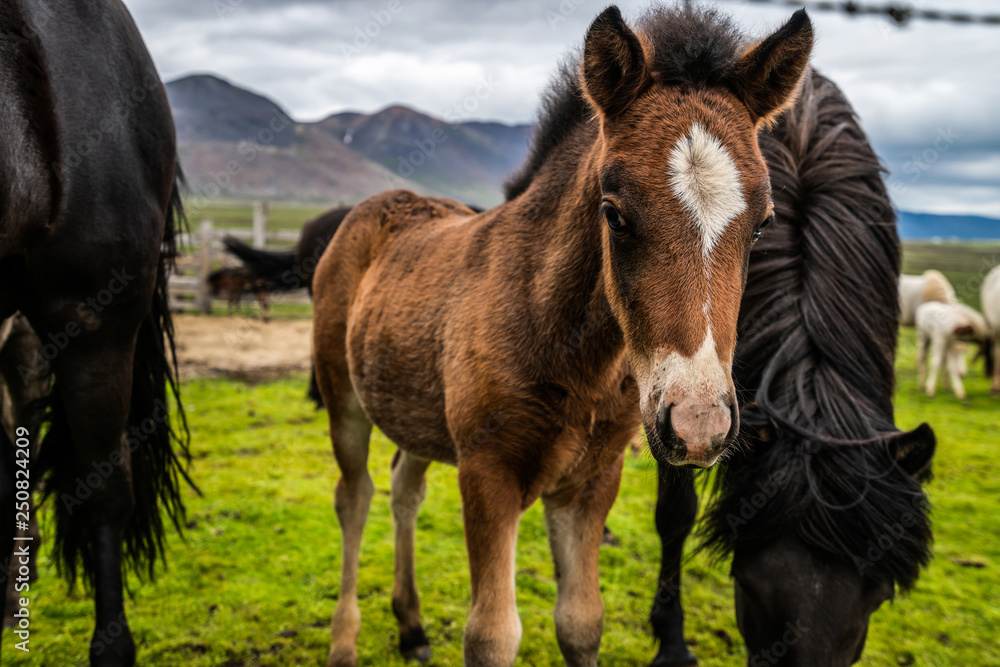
[(690, 46), (815, 359)]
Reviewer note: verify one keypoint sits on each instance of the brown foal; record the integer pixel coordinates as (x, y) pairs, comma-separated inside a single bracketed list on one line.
[(525, 344)]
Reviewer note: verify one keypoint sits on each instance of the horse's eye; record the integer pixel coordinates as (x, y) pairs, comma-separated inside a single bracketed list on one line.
[(615, 221), (762, 226)]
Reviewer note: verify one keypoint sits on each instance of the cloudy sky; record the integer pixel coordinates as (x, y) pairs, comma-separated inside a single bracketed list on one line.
[(928, 94)]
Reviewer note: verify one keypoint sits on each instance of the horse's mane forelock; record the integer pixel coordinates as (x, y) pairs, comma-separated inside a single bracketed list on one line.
[(815, 358), (690, 46)]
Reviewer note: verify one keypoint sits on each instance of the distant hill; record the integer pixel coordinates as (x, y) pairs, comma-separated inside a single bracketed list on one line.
[(469, 160), (237, 144), (960, 227)]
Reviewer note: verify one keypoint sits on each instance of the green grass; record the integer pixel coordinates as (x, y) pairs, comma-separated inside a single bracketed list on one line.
[(256, 580), (235, 215)]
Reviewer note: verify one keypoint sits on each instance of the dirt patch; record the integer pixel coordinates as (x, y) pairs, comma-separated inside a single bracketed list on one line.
[(241, 348)]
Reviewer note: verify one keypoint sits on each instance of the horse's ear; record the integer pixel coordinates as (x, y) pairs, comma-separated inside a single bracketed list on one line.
[(913, 450), (614, 65), (767, 76)]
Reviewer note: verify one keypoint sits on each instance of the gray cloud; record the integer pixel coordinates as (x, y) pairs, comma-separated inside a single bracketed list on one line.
[(317, 57)]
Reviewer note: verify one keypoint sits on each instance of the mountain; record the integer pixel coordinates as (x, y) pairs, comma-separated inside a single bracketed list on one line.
[(235, 143), (961, 227), (468, 161), (206, 108)]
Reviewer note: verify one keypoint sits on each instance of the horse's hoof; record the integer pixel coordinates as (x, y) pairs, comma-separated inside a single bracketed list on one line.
[(681, 658), (419, 653), (414, 645), (342, 659)]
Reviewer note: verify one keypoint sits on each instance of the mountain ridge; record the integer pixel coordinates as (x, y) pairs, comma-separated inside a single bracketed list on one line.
[(238, 144)]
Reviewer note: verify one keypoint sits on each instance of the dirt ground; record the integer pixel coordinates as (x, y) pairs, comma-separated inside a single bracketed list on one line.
[(241, 347)]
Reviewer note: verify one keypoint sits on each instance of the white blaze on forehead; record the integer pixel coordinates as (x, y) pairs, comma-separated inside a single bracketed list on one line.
[(707, 182)]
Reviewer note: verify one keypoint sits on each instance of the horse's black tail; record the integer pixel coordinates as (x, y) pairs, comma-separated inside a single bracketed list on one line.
[(277, 268), (313, 392), (157, 434), (159, 463)]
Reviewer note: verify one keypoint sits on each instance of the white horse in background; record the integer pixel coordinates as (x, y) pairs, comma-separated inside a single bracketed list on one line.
[(990, 296), (915, 290), (945, 328)]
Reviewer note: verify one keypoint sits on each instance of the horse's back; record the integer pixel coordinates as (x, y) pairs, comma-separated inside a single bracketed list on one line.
[(937, 288), (93, 123), (98, 113), (380, 294)]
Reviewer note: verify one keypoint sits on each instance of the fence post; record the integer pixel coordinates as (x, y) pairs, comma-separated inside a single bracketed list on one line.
[(205, 267), (260, 224)]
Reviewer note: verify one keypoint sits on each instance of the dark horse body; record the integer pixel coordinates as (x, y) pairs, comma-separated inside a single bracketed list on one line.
[(827, 474), (289, 270), (87, 207)]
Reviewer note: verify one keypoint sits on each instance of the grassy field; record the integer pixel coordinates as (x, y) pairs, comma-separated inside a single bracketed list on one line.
[(256, 578), (234, 215)]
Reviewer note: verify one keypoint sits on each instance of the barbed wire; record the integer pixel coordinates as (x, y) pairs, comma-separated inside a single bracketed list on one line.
[(898, 13)]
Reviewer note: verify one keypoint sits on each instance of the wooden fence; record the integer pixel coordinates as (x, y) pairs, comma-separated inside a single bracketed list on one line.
[(203, 252)]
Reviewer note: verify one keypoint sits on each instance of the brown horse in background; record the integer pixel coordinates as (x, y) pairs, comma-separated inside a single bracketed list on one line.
[(235, 282), (454, 332)]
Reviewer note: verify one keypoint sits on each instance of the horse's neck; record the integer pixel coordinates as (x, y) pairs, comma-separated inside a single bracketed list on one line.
[(562, 205)]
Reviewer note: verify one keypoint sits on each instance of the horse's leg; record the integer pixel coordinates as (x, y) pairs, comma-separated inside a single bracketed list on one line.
[(676, 509), (265, 306), (576, 527), (491, 510), (939, 353), (922, 341), (995, 385), (955, 362), (408, 490), (95, 386), (350, 430)]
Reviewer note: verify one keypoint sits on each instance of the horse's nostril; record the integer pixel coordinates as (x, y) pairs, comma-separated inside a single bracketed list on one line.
[(734, 421), (664, 426)]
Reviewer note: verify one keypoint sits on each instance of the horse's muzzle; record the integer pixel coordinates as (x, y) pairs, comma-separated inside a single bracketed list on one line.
[(694, 433)]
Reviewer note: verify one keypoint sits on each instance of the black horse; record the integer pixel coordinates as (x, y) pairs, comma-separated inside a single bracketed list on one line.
[(823, 511), (287, 270), (89, 210)]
